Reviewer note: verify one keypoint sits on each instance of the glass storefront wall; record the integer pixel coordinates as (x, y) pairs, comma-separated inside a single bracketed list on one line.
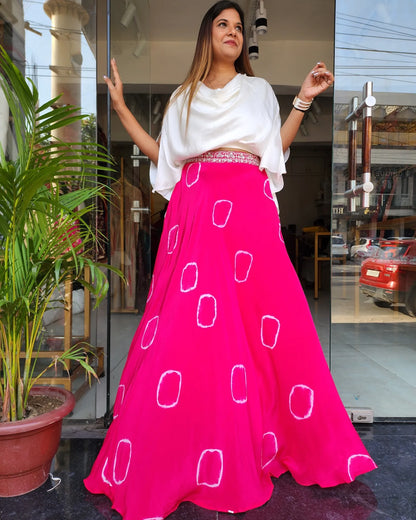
[(54, 44), (373, 348), (372, 355), (151, 66), (61, 45)]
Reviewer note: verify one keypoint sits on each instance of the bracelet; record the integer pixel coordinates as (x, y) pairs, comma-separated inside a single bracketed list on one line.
[(302, 106)]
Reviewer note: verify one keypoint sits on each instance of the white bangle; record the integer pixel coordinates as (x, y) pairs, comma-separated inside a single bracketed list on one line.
[(301, 105)]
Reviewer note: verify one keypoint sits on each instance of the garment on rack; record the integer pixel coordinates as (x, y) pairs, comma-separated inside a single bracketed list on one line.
[(125, 247)]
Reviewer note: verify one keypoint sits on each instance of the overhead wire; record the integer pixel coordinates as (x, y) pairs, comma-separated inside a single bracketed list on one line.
[(361, 29)]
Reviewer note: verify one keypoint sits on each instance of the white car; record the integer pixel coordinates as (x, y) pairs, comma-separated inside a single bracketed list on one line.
[(363, 247), (339, 248)]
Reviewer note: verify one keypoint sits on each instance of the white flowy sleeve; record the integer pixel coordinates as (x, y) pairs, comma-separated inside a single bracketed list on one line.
[(167, 173), (272, 158)]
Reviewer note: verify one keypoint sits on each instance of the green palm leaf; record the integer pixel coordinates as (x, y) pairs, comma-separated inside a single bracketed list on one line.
[(46, 196)]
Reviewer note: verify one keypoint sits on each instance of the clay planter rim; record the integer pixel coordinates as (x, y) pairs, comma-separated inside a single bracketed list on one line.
[(40, 421)]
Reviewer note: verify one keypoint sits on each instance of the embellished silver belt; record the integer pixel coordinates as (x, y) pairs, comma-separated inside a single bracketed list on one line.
[(226, 156)]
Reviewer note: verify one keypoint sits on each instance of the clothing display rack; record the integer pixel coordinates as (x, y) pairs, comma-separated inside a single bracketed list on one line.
[(118, 243), (61, 344)]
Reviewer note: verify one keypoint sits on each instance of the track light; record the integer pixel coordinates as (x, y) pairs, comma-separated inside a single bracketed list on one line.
[(261, 18), (253, 46), (316, 109), (139, 48), (157, 111), (313, 117), (157, 107), (156, 119), (128, 15)]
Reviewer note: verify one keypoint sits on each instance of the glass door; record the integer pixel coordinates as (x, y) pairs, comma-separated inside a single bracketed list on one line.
[(373, 331), (135, 215)]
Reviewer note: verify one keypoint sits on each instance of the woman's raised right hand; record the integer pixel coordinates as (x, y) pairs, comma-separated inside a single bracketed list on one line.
[(144, 141), (115, 88)]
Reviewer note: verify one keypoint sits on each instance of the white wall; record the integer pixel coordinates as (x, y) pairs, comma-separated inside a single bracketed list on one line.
[(282, 63)]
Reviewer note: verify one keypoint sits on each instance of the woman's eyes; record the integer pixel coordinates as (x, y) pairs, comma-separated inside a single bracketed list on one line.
[(238, 28)]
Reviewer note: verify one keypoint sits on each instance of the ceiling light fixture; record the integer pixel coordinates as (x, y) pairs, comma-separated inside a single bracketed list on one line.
[(157, 107), (316, 109), (253, 46), (139, 46), (313, 117), (261, 18), (128, 15)]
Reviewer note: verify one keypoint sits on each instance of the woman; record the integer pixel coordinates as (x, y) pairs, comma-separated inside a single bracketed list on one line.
[(225, 384)]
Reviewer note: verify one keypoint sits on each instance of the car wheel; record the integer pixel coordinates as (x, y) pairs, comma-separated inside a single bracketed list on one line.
[(381, 303), (411, 302)]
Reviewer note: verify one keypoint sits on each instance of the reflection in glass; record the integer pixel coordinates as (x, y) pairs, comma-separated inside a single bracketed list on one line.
[(135, 213), (374, 293), (53, 43)]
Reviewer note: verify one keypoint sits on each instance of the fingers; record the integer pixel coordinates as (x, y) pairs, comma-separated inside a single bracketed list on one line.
[(116, 75), (319, 65), (320, 73), (115, 87), (324, 76), (329, 78), (108, 82), (115, 71)]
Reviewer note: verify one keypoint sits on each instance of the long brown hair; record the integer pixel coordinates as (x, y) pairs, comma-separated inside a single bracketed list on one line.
[(202, 61)]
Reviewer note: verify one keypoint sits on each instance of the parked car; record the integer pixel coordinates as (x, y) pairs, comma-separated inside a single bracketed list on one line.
[(364, 248), (339, 249), (390, 277)]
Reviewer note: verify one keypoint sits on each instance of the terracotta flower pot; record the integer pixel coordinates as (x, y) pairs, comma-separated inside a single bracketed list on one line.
[(27, 447)]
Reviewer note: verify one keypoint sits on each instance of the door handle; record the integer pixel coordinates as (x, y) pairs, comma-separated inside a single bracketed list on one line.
[(136, 209)]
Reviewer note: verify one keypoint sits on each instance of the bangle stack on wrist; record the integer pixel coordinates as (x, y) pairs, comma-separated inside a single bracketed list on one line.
[(302, 106)]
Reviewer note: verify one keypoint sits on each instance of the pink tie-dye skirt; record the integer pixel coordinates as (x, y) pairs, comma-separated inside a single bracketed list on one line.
[(225, 384)]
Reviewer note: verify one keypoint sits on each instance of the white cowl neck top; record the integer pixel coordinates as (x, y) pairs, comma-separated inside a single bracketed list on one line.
[(244, 114)]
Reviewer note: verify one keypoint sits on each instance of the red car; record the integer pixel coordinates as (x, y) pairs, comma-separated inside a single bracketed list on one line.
[(390, 276)]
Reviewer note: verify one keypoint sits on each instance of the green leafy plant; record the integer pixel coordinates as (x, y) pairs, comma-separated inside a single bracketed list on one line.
[(46, 196)]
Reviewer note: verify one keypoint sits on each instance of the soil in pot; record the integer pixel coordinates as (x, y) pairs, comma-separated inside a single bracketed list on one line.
[(37, 405)]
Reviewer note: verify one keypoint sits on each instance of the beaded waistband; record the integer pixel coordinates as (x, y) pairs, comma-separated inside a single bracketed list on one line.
[(226, 156)]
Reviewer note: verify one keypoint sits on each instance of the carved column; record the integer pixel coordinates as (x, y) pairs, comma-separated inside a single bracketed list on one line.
[(67, 19)]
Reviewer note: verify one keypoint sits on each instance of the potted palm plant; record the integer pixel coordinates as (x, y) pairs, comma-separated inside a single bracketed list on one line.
[(46, 193)]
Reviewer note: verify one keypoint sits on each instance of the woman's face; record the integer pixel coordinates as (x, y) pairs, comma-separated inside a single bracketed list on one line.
[(227, 36)]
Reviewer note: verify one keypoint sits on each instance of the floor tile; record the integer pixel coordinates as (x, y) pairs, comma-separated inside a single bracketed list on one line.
[(387, 493)]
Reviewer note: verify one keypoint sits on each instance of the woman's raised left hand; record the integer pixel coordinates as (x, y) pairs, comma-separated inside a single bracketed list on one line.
[(317, 80)]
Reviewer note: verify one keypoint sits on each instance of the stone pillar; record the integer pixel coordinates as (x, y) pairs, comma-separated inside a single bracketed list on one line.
[(67, 19), (12, 38)]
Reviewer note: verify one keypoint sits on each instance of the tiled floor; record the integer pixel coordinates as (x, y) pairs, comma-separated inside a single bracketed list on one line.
[(385, 494)]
